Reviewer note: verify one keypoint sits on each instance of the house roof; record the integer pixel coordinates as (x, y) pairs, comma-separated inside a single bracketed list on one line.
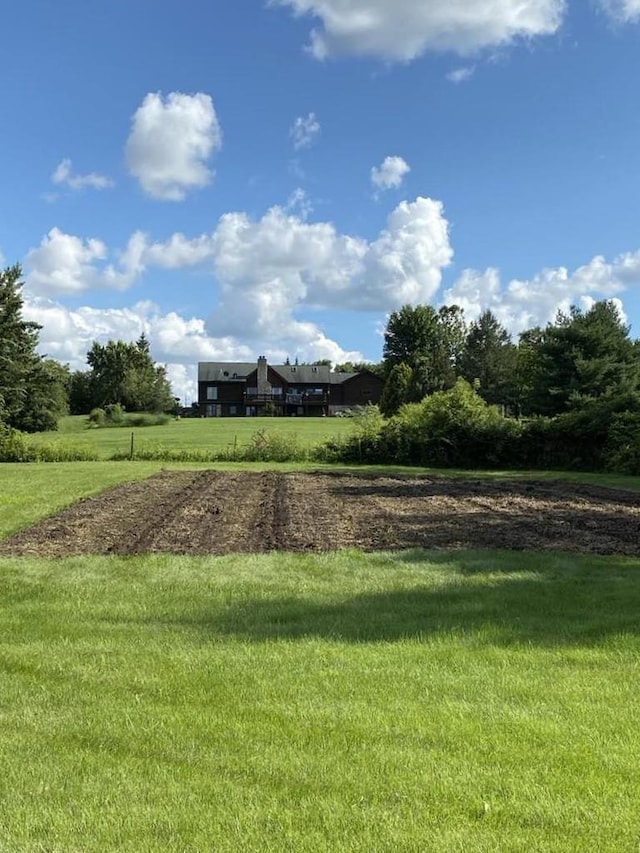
[(305, 373), (237, 371), (339, 378), (224, 371)]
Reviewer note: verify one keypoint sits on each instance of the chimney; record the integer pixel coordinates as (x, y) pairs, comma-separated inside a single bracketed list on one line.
[(263, 385)]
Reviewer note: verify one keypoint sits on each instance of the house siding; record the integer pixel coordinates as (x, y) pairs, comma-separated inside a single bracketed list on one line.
[(285, 390)]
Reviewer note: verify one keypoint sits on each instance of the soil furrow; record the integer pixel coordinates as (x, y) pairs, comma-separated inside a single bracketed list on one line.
[(215, 512)]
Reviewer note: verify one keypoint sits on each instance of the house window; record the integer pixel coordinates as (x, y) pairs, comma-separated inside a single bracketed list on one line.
[(226, 373), (233, 410), (214, 410), (314, 369), (212, 392)]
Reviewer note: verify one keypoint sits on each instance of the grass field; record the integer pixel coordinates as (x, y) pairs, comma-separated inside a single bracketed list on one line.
[(192, 433), (477, 701)]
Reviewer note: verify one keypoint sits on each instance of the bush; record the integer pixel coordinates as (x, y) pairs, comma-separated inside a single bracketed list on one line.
[(143, 419), (622, 450), (262, 447), (114, 414), (449, 429), (16, 447), (97, 417)]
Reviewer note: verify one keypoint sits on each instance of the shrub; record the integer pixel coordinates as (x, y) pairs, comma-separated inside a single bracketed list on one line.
[(97, 417), (622, 450), (454, 428), (114, 414), (16, 447), (143, 419), (262, 447)]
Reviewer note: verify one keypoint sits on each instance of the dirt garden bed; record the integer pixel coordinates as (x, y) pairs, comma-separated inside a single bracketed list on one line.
[(211, 512)]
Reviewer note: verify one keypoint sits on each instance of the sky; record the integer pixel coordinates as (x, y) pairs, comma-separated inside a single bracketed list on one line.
[(276, 176)]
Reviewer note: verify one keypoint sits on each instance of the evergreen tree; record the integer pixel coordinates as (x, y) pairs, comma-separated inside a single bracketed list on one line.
[(397, 389), (32, 389), (488, 360), (582, 356)]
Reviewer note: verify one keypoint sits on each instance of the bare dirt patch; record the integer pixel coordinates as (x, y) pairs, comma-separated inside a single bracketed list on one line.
[(212, 512)]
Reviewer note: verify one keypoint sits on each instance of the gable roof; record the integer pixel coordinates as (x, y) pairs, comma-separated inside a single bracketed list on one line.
[(304, 373), (223, 371), (339, 378)]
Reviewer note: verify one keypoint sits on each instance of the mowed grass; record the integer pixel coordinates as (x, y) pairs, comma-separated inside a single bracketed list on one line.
[(207, 434), (347, 702)]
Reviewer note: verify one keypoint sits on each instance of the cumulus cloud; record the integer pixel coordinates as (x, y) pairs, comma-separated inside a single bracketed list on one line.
[(521, 304), (67, 264), (267, 271), (402, 30), (461, 75), (622, 11), (179, 342), (171, 142), (64, 176), (304, 131), (281, 261), (390, 174)]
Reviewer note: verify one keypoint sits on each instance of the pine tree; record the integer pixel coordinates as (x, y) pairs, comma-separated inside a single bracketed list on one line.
[(32, 390)]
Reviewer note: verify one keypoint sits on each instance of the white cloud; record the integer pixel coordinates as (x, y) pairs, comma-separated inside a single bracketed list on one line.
[(522, 304), (171, 142), (64, 176), (461, 75), (267, 271), (622, 11), (281, 262), (184, 382), (67, 264), (304, 131), (178, 342), (64, 263), (402, 30), (390, 174)]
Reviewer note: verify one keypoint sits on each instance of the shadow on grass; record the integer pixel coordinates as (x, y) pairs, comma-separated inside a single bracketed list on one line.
[(557, 600)]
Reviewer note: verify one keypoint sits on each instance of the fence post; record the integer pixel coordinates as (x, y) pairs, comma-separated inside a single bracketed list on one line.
[(131, 450)]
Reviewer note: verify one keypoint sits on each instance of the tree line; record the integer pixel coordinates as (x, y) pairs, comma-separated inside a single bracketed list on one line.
[(35, 391), (579, 357), (566, 396)]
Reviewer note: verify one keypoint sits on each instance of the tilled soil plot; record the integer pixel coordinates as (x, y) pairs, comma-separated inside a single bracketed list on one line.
[(210, 512)]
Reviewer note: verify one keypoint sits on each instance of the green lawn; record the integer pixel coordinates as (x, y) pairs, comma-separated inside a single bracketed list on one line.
[(478, 701), (411, 702), (192, 433)]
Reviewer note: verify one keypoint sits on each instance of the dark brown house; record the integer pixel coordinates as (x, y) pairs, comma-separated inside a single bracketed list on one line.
[(243, 389)]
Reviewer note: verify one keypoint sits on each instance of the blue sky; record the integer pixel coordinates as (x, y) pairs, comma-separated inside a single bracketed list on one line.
[(252, 177)]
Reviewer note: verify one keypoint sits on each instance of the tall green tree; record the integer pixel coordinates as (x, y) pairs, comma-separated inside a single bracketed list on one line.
[(33, 390), (488, 360), (397, 389), (581, 356), (430, 342), (125, 373), (359, 367)]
